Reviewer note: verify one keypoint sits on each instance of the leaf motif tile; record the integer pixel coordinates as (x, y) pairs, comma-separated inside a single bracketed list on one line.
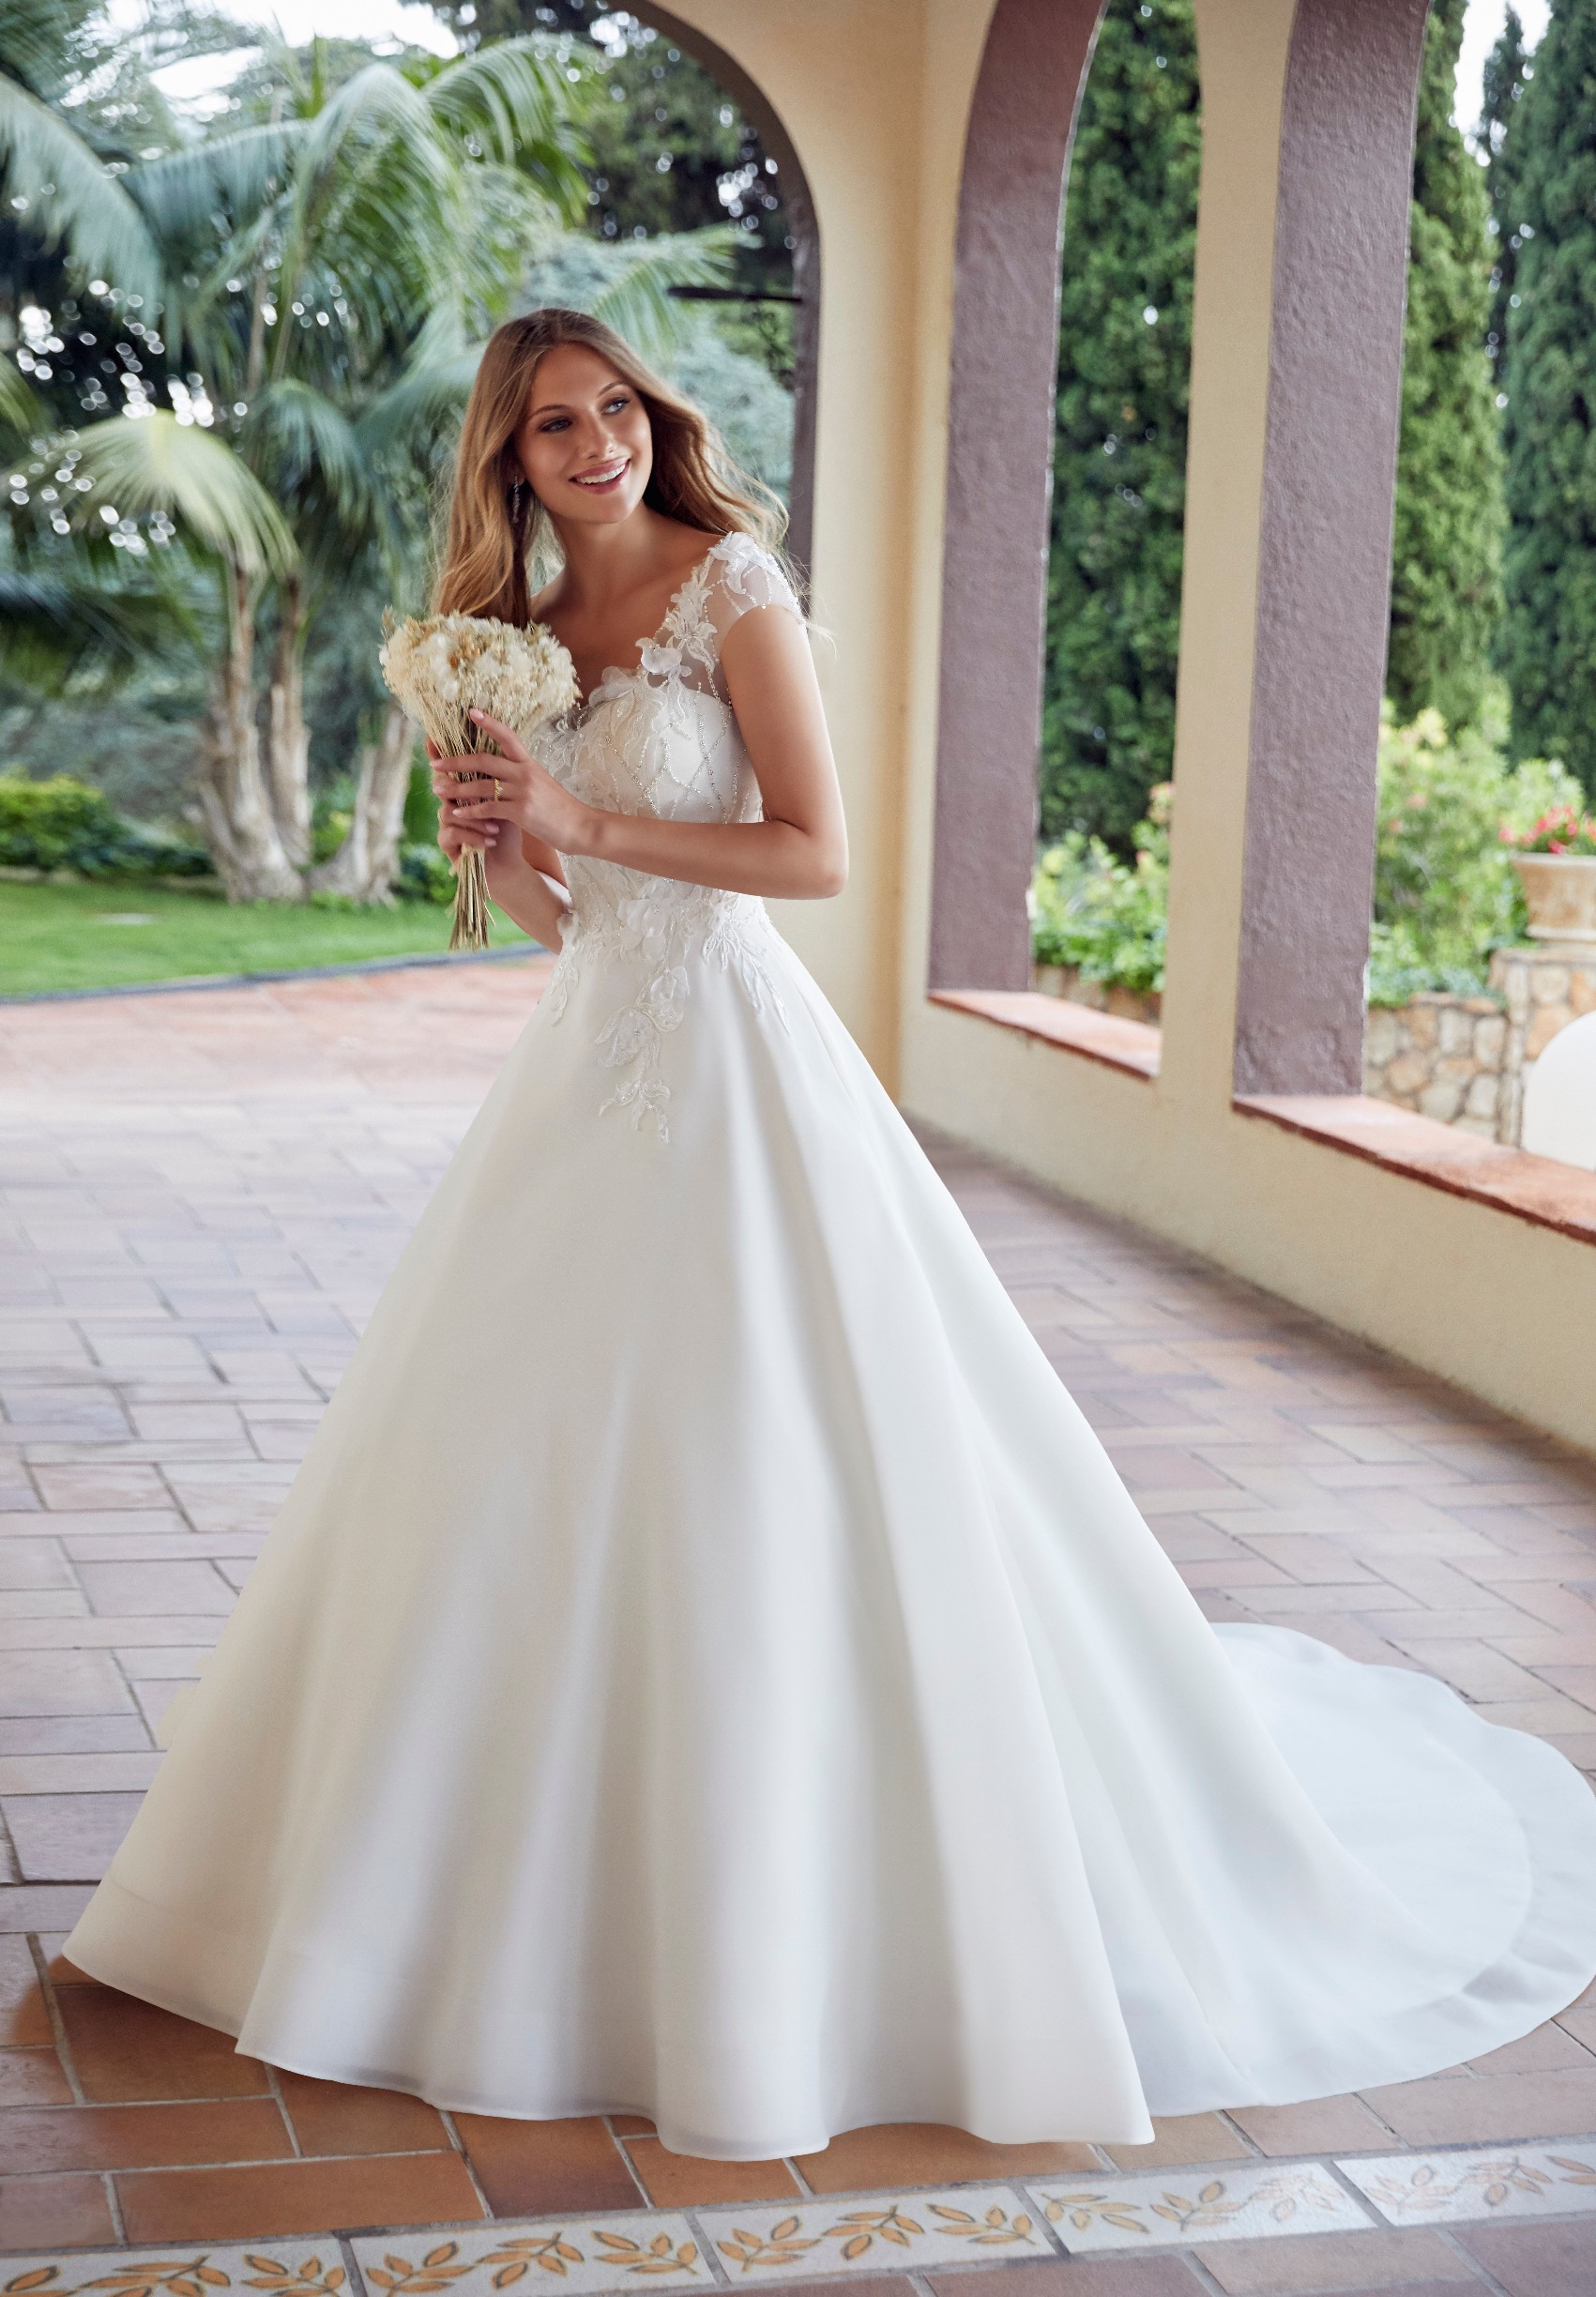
[(873, 2233), (583, 2254), (1478, 2182), (1242, 2203), (299, 2266)]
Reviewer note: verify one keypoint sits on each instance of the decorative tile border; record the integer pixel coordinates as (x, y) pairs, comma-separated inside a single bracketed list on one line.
[(1241, 2203), (899, 2231), (872, 2233), (583, 2254), (298, 2267), (1480, 2182)]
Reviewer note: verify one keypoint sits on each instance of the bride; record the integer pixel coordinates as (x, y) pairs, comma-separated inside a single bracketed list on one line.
[(706, 1666)]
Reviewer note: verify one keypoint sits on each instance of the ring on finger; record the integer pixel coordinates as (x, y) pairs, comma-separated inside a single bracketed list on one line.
[(498, 789)]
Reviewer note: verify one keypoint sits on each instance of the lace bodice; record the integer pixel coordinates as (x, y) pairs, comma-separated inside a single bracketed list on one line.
[(661, 739)]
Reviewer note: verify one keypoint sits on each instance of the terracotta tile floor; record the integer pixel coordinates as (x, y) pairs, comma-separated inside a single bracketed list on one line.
[(202, 1193)]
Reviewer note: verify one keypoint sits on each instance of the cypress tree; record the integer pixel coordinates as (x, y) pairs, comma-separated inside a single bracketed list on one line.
[(1447, 543), (1119, 468), (1507, 73), (1549, 640)]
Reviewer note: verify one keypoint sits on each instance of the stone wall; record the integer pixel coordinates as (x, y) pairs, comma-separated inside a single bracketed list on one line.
[(1467, 1060), (1464, 1060), (1546, 984), (1125, 1004), (1442, 1056)]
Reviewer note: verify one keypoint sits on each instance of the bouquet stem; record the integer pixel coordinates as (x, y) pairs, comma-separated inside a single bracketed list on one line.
[(469, 930)]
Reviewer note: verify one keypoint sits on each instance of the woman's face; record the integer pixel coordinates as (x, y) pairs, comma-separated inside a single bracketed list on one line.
[(584, 442)]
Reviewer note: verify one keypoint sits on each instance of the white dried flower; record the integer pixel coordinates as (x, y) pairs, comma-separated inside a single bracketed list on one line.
[(441, 668)]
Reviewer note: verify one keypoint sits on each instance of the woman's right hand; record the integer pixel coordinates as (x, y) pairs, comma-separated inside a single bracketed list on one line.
[(515, 885), (497, 842)]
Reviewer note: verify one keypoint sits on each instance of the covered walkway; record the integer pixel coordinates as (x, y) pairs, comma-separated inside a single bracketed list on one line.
[(204, 1190)]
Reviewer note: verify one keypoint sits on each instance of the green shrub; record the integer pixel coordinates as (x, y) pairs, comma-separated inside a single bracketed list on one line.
[(67, 824), (1446, 894), (332, 811), (424, 873), (420, 806), (1445, 890), (1100, 916)]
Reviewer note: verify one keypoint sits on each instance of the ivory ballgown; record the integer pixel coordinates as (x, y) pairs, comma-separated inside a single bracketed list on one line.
[(706, 1665)]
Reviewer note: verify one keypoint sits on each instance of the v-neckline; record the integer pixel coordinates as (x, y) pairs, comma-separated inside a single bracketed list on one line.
[(619, 670)]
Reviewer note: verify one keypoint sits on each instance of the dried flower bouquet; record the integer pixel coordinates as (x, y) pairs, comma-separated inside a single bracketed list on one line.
[(442, 667)]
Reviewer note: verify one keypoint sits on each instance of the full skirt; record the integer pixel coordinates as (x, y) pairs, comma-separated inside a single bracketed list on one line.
[(706, 1666)]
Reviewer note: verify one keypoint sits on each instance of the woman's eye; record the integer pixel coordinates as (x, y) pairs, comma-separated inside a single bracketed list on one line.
[(615, 404)]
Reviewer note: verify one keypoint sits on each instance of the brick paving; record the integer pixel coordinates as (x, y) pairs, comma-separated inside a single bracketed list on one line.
[(203, 1191)]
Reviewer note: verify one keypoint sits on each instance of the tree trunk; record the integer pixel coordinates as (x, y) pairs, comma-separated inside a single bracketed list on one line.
[(239, 826), (363, 866), (288, 737)]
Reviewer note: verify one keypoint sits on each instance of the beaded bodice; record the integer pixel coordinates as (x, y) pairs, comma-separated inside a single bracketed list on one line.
[(661, 739)]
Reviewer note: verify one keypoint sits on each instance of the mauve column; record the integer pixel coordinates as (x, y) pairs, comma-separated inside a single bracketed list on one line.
[(1001, 420), (1323, 573)]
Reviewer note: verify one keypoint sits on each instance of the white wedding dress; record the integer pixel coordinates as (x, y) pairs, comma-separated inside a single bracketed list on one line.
[(707, 1666)]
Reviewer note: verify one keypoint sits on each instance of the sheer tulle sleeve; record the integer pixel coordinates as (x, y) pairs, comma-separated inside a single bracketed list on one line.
[(747, 576)]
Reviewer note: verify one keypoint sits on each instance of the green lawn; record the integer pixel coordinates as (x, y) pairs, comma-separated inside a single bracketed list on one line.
[(100, 936)]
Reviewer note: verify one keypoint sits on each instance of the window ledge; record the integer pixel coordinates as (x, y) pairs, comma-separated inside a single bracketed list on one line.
[(1532, 1188), (1129, 1046)]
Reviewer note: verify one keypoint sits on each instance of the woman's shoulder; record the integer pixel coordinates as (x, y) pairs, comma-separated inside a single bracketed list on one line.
[(748, 573)]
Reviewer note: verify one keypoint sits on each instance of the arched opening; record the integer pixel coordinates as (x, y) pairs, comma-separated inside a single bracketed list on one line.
[(805, 229)]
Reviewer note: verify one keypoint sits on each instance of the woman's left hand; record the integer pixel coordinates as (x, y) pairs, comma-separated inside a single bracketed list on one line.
[(525, 794)]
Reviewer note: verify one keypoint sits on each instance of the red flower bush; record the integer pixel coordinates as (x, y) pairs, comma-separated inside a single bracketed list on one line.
[(1563, 830)]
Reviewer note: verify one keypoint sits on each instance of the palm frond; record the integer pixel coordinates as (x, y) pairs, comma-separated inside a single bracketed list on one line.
[(73, 200), (635, 299), (429, 392), (296, 436), (158, 463), (180, 192), (21, 414), (35, 37), (375, 104), (369, 197), (59, 627), (514, 100)]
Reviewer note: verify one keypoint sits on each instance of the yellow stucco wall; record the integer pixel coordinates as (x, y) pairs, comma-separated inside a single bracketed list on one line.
[(875, 94), (846, 78)]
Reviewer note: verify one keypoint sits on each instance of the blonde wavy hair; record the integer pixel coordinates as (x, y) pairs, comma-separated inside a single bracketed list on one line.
[(496, 533)]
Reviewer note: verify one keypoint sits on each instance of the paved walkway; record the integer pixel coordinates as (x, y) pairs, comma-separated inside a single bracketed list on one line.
[(202, 1193)]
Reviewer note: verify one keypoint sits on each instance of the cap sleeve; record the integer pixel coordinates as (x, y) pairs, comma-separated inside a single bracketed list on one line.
[(748, 576)]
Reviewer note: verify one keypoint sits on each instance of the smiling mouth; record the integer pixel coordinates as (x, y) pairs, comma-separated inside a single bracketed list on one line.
[(607, 476)]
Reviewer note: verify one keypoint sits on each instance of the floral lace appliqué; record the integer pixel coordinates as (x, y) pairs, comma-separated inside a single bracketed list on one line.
[(662, 739), (664, 939)]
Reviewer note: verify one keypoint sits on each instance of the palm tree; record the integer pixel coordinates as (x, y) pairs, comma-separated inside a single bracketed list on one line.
[(312, 257), (328, 272)]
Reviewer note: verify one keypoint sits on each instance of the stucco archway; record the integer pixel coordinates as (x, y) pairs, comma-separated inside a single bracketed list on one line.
[(1335, 371), (799, 204)]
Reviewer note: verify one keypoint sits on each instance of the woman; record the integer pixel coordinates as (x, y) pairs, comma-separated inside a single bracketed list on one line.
[(706, 1664)]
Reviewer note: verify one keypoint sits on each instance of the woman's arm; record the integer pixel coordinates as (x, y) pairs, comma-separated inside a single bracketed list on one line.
[(799, 850)]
